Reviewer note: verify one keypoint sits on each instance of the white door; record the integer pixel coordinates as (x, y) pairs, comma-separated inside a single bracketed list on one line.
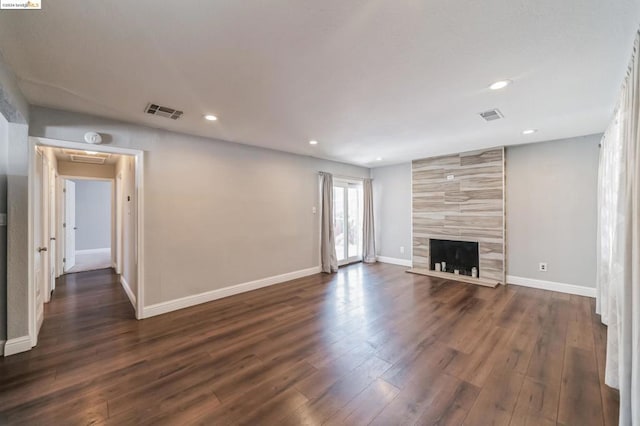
[(119, 218), (347, 221), (69, 224), (59, 225), (52, 233), (39, 243)]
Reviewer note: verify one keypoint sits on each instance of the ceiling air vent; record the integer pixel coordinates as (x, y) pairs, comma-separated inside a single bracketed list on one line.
[(163, 111), (87, 159), (491, 115)]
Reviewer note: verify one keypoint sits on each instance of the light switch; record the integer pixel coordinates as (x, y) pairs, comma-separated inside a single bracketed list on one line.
[(313, 210)]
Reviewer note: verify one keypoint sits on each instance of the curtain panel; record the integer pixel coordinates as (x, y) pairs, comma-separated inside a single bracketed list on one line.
[(328, 257), (368, 232), (618, 251)]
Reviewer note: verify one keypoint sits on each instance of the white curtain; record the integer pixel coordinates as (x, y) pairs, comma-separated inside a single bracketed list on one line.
[(618, 281), (328, 257), (368, 233)]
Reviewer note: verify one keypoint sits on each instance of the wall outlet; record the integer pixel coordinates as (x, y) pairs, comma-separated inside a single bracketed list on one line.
[(313, 209), (401, 249), (542, 267)]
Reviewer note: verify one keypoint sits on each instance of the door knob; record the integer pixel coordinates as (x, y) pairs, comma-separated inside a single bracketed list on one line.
[(41, 249)]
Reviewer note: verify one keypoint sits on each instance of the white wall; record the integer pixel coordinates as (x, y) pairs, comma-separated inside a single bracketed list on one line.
[(15, 109), (17, 241), (101, 171), (392, 205), (551, 210), (13, 105), (550, 207), (93, 214), (216, 213)]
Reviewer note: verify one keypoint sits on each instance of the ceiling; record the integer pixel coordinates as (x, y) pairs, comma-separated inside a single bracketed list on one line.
[(396, 79)]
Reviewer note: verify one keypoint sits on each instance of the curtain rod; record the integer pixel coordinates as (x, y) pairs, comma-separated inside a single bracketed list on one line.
[(345, 177)]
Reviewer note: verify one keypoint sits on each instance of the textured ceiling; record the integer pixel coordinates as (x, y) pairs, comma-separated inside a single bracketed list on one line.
[(397, 79)]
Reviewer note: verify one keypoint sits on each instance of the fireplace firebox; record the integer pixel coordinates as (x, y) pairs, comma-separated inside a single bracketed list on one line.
[(460, 257)]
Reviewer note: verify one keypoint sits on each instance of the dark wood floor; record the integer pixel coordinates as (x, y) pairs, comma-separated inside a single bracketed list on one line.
[(371, 344)]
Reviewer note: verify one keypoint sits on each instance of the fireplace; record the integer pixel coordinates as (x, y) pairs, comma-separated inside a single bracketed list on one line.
[(460, 257)]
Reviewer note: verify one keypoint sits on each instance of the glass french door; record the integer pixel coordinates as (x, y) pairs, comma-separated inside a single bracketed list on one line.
[(347, 221)]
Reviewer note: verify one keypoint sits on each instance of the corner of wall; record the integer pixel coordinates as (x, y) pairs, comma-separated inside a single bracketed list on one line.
[(15, 107)]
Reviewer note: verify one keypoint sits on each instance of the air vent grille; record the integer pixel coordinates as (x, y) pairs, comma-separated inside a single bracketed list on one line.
[(87, 159), (163, 111), (491, 115)]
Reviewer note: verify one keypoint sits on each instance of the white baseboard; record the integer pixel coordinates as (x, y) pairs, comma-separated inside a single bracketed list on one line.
[(94, 251), (553, 286), (17, 345), (185, 302), (395, 261), (127, 289)]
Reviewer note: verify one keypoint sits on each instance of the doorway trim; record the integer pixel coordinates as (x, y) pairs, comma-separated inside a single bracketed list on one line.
[(347, 183), (114, 212), (139, 251)]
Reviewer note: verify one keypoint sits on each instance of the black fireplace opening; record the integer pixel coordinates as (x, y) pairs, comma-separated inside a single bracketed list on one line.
[(452, 256)]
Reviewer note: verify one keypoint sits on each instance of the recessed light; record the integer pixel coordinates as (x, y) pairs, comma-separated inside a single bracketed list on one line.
[(313, 142), (529, 131), (210, 117), (379, 159), (501, 84), (91, 152)]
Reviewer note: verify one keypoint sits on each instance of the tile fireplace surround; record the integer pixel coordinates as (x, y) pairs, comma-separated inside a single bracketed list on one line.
[(461, 198)]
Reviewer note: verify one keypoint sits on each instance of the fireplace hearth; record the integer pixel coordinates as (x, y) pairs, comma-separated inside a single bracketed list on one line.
[(456, 257)]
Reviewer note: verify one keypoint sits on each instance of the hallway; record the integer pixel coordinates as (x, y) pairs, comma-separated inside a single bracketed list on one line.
[(88, 312), (91, 260), (370, 344)]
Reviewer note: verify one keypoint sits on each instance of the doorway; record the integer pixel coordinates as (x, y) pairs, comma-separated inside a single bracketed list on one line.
[(88, 223), (79, 217), (347, 220)]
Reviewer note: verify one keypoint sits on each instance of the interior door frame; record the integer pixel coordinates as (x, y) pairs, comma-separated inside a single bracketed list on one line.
[(52, 218), (39, 160), (346, 183), (46, 224), (139, 249), (114, 208), (118, 205), (59, 229), (65, 228)]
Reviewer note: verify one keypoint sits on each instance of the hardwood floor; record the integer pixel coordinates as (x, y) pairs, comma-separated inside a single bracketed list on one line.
[(369, 345)]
